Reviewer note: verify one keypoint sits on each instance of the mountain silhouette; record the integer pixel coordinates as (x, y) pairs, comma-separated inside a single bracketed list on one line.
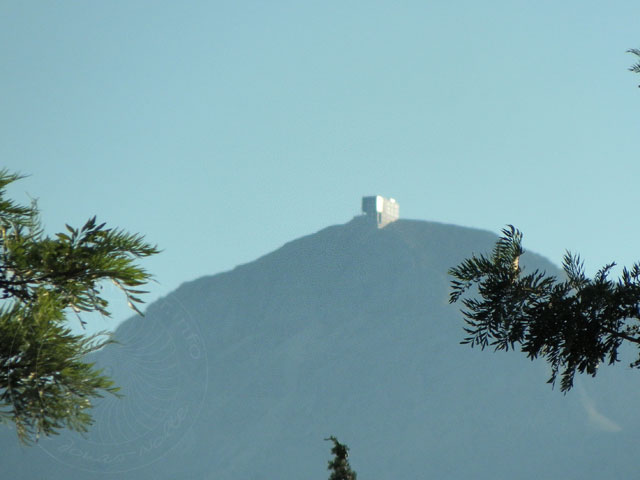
[(346, 332)]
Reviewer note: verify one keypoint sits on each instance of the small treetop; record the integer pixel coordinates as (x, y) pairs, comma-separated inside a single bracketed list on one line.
[(339, 466)]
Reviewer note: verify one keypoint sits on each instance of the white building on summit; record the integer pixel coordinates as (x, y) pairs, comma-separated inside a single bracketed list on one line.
[(381, 210)]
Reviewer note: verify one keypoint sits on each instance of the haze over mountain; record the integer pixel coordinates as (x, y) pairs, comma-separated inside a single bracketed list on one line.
[(346, 332)]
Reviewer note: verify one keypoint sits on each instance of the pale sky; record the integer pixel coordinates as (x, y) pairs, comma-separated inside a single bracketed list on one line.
[(222, 130)]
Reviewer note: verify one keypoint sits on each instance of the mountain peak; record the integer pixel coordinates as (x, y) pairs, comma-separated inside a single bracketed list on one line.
[(344, 332)]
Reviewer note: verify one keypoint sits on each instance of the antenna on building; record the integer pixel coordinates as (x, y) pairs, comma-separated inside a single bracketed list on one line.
[(381, 210)]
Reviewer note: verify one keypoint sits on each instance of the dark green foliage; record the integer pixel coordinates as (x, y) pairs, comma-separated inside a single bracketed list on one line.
[(575, 324), (339, 466), (636, 66), (44, 383)]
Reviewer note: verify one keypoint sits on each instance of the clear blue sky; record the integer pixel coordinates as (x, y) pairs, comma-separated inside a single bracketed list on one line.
[(222, 130)]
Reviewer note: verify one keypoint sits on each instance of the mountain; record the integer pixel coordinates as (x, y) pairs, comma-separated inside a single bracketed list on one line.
[(346, 332)]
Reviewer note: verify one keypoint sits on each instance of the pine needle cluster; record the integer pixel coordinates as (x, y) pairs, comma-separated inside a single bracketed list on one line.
[(45, 382), (575, 324)]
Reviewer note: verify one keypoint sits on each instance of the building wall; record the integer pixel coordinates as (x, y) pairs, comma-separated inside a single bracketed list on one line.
[(380, 209)]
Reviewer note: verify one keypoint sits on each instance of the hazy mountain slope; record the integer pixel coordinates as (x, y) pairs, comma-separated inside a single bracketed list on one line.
[(348, 332)]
